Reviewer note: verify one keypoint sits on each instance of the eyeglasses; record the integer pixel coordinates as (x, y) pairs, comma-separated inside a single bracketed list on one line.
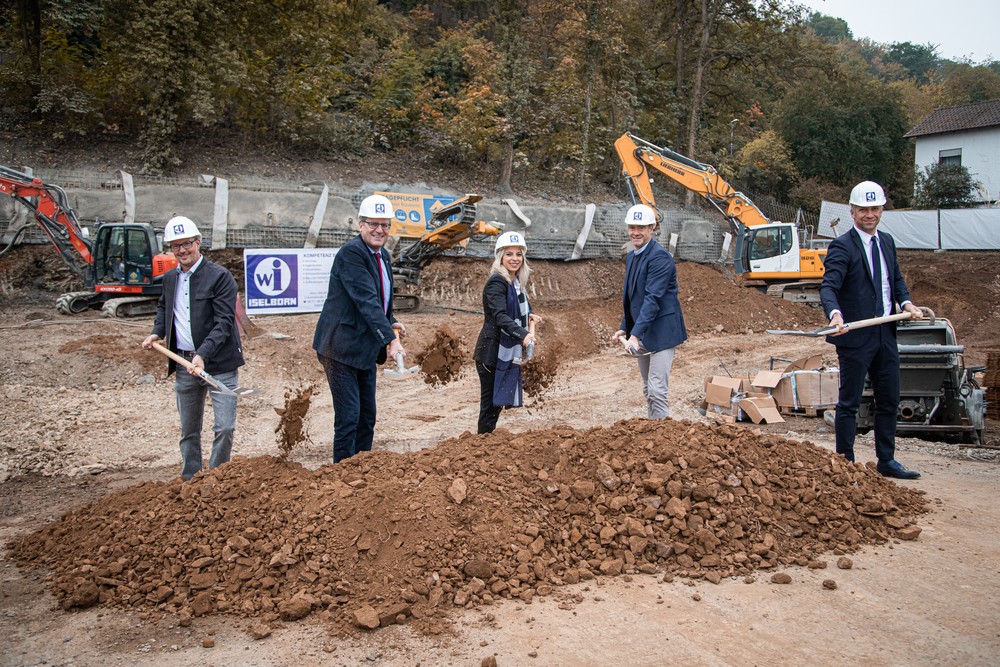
[(378, 225), (174, 247)]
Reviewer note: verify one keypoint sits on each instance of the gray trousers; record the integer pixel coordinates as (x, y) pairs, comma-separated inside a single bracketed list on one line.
[(191, 392), (655, 371)]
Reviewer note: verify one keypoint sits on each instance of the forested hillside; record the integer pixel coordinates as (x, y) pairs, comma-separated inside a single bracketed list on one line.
[(782, 101)]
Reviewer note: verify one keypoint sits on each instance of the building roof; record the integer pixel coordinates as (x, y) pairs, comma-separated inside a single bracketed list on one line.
[(956, 119)]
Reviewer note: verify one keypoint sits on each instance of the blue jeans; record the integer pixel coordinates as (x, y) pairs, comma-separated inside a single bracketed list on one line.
[(191, 392), (353, 391)]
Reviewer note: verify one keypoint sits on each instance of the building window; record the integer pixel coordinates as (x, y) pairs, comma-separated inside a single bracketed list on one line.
[(950, 156)]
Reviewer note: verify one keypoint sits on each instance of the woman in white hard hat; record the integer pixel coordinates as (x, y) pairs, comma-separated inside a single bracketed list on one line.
[(505, 337)]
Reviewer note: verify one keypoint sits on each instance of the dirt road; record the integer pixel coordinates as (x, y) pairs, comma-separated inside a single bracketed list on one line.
[(87, 413)]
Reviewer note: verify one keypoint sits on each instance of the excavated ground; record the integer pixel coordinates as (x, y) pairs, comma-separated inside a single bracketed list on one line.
[(437, 523)]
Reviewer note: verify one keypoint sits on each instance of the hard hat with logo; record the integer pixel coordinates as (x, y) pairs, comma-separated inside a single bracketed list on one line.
[(179, 227), (375, 206), (868, 193), (508, 239), (640, 214)]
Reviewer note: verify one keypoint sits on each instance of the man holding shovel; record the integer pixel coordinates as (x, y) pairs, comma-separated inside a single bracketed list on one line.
[(862, 280), (196, 319), (356, 329), (652, 325)]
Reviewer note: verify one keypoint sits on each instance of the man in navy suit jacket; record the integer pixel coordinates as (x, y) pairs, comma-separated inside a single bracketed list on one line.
[(652, 319), (356, 329), (862, 280)]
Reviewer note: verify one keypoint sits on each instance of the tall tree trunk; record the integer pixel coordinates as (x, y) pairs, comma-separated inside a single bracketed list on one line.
[(585, 139), (506, 167), (29, 13), (708, 12), (680, 85)]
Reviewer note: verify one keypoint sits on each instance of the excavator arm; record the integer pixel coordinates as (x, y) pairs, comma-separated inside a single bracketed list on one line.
[(638, 156), (443, 236), (53, 215)]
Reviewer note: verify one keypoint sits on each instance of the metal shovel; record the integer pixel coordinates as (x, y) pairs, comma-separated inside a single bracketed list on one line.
[(529, 351), (204, 375), (850, 326), (400, 370)]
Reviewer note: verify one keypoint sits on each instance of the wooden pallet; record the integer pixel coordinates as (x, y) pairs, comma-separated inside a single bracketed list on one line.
[(801, 412)]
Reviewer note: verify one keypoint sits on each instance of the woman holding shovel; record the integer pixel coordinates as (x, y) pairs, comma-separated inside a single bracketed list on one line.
[(507, 337)]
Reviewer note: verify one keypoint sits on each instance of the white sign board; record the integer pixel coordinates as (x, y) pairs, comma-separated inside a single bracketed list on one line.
[(285, 280)]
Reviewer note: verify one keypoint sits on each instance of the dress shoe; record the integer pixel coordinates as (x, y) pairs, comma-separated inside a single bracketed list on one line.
[(895, 469)]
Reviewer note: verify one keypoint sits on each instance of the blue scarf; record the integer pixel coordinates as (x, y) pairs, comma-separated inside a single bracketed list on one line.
[(507, 381)]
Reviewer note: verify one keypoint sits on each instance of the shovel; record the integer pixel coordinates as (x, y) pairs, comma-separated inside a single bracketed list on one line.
[(850, 326), (631, 351), (529, 351), (400, 370), (203, 374)]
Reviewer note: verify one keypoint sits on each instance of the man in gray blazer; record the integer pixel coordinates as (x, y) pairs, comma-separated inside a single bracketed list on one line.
[(196, 318), (357, 330)]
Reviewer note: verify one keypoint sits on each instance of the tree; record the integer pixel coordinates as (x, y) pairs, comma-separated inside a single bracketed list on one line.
[(844, 127), (512, 83), (944, 186), (829, 28), (919, 60), (765, 165)]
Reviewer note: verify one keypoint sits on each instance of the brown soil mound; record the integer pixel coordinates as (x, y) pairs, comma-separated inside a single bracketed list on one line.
[(291, 430), (382, 538)]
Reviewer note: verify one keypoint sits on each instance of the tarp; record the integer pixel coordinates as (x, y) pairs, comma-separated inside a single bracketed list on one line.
[(947, 229)]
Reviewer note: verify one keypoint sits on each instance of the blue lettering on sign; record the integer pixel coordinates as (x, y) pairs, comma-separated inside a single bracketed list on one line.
[(272, 280)]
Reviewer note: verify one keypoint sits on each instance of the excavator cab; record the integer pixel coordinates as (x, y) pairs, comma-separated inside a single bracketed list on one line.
[(123, 255), (768, 249)]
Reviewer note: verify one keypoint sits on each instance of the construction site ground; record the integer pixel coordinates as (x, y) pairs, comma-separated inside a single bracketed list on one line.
[(89, 426)]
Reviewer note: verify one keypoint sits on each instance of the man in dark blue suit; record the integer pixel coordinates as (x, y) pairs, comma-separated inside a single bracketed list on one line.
[(356, 329), (652, 320), (862, 280)]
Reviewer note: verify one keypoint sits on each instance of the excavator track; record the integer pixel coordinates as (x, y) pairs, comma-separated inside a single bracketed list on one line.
[(74, 303), (804, 292), (130, 306)]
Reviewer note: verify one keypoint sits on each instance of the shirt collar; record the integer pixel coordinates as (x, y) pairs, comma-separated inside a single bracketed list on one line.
[(865, 236), (639, 250)]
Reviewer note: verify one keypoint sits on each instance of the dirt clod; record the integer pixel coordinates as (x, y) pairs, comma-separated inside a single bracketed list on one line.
[(442, 360), (291, 429)]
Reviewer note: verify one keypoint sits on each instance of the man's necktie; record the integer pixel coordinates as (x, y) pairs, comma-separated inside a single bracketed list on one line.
[(381, 284), (877, 277)]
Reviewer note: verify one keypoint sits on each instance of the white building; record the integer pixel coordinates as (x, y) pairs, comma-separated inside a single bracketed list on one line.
[(968, 135)]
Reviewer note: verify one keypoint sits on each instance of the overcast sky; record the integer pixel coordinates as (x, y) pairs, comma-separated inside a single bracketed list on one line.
[(959, 28)]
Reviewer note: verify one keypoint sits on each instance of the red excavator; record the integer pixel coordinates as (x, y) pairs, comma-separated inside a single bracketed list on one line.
[(121, 267)]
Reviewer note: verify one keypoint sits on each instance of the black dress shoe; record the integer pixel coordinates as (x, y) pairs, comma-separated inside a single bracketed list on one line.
[(895, 469)]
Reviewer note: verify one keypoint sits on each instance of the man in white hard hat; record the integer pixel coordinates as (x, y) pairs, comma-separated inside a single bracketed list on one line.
[(357, 329), (196, 318), (862, 280), (652, 325)]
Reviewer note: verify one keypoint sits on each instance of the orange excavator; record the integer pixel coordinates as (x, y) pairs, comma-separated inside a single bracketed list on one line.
[(776, 256), (121, 267)]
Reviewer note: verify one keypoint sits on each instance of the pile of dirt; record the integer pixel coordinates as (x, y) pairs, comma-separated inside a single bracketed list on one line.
[(384, 538), (442, 360)]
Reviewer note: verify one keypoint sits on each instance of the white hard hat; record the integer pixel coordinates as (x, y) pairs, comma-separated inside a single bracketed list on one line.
[(180, 227), (375, 206), (640, 214), (508, 239), (868, 193)]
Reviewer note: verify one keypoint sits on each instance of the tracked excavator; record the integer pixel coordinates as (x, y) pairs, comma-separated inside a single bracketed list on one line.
[(778, 257), (451, 227), (121, 268)]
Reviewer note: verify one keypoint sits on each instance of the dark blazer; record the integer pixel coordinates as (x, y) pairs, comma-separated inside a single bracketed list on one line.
[(495, 318), (213, 317), (649, 299), (352, 328), (848, 287)]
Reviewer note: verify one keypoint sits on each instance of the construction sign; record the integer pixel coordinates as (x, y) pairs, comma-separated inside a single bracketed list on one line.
[(413, 212)]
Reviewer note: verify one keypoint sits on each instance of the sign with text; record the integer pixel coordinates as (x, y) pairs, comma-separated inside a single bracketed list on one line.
[(282, 281), (413, 212)]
